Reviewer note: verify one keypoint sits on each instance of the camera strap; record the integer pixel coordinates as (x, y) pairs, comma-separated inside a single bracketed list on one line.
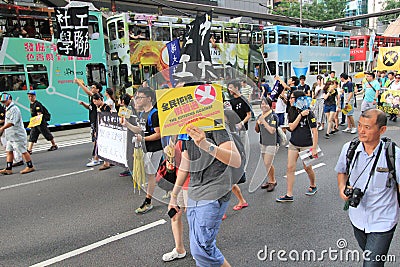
[(372, 172)]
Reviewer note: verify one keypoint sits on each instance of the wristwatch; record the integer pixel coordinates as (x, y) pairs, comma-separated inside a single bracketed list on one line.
[(211, 148)]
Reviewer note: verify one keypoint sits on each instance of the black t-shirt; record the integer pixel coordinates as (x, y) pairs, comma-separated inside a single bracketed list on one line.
[(331, 100), (305, 88), (266, 138), (301, 135), (241, 107), (36, 107), (105, 108), (151, 146), (92, 111)]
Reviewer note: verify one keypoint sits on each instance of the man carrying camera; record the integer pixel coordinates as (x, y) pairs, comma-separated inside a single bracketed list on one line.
[(364, 184)]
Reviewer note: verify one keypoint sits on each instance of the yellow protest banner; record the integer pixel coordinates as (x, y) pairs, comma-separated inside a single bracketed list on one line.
[(390, 102), (389, 58), (35, 121), (199, 105), (124, 112)]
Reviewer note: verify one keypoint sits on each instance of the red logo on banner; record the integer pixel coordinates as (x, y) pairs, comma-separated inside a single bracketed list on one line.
[(205, 94)]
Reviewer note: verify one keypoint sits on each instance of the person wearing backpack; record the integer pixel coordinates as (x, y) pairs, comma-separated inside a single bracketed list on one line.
[(371, 92), (37, 108), (266, 125), (368, 182)]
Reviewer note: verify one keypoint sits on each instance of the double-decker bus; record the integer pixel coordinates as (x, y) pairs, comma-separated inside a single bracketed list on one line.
[(297, 51), (361, 58), (138, 47), (29, 60)]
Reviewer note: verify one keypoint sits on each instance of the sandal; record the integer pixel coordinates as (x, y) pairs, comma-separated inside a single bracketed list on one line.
[(239, 207), (311, 190), (104, 167), (170, 256)]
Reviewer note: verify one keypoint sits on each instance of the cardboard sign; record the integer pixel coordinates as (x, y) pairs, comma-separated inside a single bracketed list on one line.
[(200, 105), (124, 112), (35, 121)]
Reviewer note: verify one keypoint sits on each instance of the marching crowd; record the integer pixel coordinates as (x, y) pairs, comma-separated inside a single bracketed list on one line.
[(203, 185)]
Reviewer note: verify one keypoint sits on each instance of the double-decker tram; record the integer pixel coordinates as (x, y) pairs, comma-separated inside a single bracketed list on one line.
[(297, 51), (29, 60), (138, 47)]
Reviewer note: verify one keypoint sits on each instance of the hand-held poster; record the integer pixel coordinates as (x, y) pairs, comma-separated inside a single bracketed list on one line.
[(72, 31)]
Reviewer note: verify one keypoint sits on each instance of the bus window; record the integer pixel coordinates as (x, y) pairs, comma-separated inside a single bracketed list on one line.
[(322, 39), (304, 39), (231, 37), (283, 37), (346, 41), (94, 33), (339, 41), (271, 37), (361, 43), (121, 29), (294, 38), (97, 73), (112, 32), (313, 68), (351, 67), (160, 31), (244, 37), (123, 74), (136, 74), (12, 78), (331, 40), (359, 67), (314, 39), (271, 68), (256, 37), (37, 74), (139, 32), (114, 75), (280, 67), (324, 67)]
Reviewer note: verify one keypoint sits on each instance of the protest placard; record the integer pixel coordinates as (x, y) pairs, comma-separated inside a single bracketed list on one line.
[(200, 105)]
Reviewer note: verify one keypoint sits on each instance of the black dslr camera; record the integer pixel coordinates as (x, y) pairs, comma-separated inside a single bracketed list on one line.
[(355, 195)]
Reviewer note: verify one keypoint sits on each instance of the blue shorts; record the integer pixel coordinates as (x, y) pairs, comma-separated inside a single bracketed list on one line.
[(330, 108), (205, 218), (281, 118)]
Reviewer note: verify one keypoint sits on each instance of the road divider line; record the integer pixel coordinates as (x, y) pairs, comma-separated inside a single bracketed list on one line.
[(45, 179), (98, 244), (313, 167)]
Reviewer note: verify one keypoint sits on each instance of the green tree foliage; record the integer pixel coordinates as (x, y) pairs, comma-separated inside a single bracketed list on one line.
[(317, 10), (390, 4)]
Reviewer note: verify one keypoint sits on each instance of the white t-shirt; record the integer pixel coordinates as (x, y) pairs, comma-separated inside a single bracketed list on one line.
[(280, 106), (395, 86), (110, 102), (319, 93)]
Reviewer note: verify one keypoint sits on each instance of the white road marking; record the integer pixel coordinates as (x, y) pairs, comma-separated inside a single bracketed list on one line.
[(45, 146), (44, 179), (313, 167), (99, 244)]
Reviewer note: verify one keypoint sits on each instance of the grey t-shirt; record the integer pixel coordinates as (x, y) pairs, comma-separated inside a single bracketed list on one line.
[(210, 179), (17, 132), (266, 138)]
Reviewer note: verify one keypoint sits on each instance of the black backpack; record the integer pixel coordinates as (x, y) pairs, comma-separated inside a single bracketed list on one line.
[(390, 152), (45, 112)]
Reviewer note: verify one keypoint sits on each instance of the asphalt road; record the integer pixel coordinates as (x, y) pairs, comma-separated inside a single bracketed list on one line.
[(66, 207)]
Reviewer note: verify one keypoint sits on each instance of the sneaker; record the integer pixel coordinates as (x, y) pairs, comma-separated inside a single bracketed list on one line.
[(6, 172), (144, 208), (285, 198), (104, 167), (347, 130), (52, 148), (125, 173), (170, 256), (320, 128), (312, 192), (93, 163), (326, 136), (354, 131), (27, 170), (19, 163)]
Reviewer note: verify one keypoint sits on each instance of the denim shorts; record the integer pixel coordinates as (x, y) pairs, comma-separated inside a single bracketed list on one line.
[(205, 218), (281, 118), (330, 108)]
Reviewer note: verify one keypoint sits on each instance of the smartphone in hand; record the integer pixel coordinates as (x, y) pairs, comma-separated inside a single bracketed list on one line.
[(172, 212)]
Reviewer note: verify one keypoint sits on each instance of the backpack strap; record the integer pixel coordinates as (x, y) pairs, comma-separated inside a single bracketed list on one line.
[(149, 121), (351, 156), (390, 152)]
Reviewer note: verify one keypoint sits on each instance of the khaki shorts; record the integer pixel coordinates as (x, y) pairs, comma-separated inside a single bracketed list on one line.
[(298, 148), (151, 161), (182, 199), (270, 150)]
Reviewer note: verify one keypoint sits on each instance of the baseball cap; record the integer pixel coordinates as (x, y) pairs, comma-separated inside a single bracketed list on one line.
[(4, 97), (31, 92)]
